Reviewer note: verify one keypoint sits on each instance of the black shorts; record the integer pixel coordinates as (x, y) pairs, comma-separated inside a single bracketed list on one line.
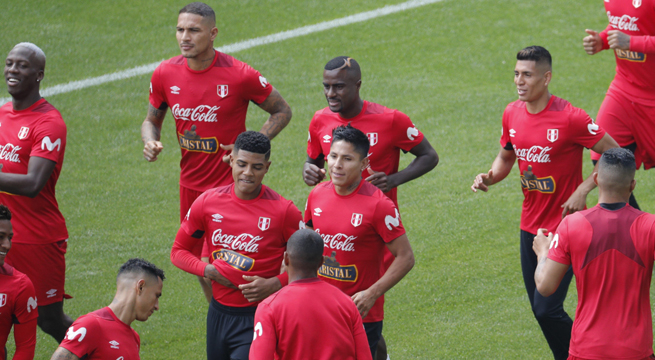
[(229, 331), (373, 334)]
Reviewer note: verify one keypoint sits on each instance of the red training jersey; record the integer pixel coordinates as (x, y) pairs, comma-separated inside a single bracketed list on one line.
[(611, 252), (388, 131), (209, 108), (17, 306), (355, 229), (548, 146), (287, 329), (635, 68), (100, 335), (244, 237), (37, 131)]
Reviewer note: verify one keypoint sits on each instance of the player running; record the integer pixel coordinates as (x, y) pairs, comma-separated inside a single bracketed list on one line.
[(107, 333), (547, 135), (208, 93), (247, 226), (357, 221), (628, 111), (33, 142), (610, 248)]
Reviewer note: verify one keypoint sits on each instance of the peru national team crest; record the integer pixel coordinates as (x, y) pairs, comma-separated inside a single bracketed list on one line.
[(552, 135), (22, 133), (636, 3), (356, 219), (3, 300), (264, 223), (222, 90), (372, 138)]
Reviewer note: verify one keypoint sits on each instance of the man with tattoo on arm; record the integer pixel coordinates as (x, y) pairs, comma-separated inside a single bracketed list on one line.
[(208, 93)]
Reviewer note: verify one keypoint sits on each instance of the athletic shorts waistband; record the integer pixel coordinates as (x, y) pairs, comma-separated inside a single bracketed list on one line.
[(233, 310)]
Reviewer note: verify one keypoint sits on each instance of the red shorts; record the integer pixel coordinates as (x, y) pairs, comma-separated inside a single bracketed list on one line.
[(628, 122), (187, 197), (45, 265)]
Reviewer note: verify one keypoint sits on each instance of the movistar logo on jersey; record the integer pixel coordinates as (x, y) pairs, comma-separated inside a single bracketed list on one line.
[(72, 334), (190, 141), (331, 269), (530, 182), (236, 260), (48, 144), (630, 55)]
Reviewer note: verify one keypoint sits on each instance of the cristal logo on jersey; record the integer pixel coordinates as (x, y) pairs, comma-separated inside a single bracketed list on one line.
[(264, 223), (31, 304), (623, 22), (221, 90), (204, 113), (552, 135), (191, 141), (72, 334), (372, 138), (411, 133), (22, 133), (327, 139), (9, 152), (538, 154), (46, 143), (530, 182), (392, 220), (331, 269), (636, 3), (3, 300), (114, 344), (242, 242), (234, 259), (175, 90), (338, 241), (630, 55), (356, 219)]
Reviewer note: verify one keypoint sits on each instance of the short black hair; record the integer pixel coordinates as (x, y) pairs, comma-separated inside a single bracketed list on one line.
[(537, 54), (137, 265), (255, 142), (618, 166), (5, 214), (200, 8), (345, 62), (305, 250), (354, 136)]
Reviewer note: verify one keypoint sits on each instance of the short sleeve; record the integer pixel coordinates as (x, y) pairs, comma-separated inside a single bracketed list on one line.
[(505, 139), (407, 135), (255, 87), (386, 220), (559, 246), (314, 149), (265, 337), (193, 222), (584, 130), (25, 306), (81, 337), (292, 221), (157, 95), (308, 213), (50, 138)]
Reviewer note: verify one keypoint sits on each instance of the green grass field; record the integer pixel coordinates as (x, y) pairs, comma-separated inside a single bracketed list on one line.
[(448, 65)]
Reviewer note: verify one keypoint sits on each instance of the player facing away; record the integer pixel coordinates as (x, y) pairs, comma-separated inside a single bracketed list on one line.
[(610, 248), (547, 135), (628, 111), (33, 139), (357, 221), (246, 226), (107, 333), (309, 318), (17, 299), (208, 93)]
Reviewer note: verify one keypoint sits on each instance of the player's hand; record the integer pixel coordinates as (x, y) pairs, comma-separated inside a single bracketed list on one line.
[(228, 148), (618, 40), (259, 288), (592, 43), (151, 149), (576, 202), (364, 300), (541, 242), (213, 274), (312, 174), (482, 181), (380, 180)]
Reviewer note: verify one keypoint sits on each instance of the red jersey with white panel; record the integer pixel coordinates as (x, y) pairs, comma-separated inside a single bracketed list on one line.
[(100, 335), (611, 252), (548, 146), (17, 305), (209, 108), (355, 229), (388, 131), (244, 237), (287, 329), (37, 131), (635, 68)]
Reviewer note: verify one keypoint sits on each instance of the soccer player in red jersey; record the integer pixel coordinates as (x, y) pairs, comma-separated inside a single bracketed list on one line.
[(247, 226), (32, 145), (292, 323), (208, 93), (547, 135), (17, 299), (628, 111), (107, 333), (357, 221), (610, 248)]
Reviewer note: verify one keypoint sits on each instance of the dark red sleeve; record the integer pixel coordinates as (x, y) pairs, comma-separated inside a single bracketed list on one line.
[(182, 254), (25, 337), (407, 135), (82, 337), (157, 95), (559, 247), (256, 87), (50, 138), (387, 220), (362, 351), (505, 138)]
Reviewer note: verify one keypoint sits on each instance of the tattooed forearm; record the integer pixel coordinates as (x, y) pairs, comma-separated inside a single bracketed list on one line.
[(151, 127), (63, 354), (280, 114)]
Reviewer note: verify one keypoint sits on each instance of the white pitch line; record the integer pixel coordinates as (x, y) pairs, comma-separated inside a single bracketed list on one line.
[(236, 47)]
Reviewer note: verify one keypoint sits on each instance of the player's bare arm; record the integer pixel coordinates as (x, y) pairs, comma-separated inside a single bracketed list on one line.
[(426, 159), (213, 274), (578, 200), (259, 288), (63, 354), (401, 265), (30, 184), (618, 40), (500, 168), (151, 133), (313, 171), (549, 273), (592, 43), (280, 114)]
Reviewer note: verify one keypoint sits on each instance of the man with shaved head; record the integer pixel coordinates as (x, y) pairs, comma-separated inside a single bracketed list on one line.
[(33, 141), (610, 248), (291, 324)]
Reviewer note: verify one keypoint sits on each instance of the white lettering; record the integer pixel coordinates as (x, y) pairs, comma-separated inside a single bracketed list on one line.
[(338, 241), (204, 113), (624, 22), (258, 328), (48, 144), (31, 304), (536, 154), (243, 242), (9, 152), (72, 334), (390, 220)]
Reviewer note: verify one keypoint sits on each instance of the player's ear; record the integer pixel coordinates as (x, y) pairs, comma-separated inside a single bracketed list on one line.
[(595, 175), (140, 285), (358, 84), (633, 184), (214, 33), (268, 165), (286, 259), (548, 76), (364, 163)]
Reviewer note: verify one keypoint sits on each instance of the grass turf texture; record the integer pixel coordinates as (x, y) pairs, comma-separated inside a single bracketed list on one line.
[(449, 66)]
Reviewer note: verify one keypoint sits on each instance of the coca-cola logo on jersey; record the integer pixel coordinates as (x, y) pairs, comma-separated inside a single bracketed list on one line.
[(624, 22), (204, 113), (9, 152), (338, 241), (537, 154), (243, 242)]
